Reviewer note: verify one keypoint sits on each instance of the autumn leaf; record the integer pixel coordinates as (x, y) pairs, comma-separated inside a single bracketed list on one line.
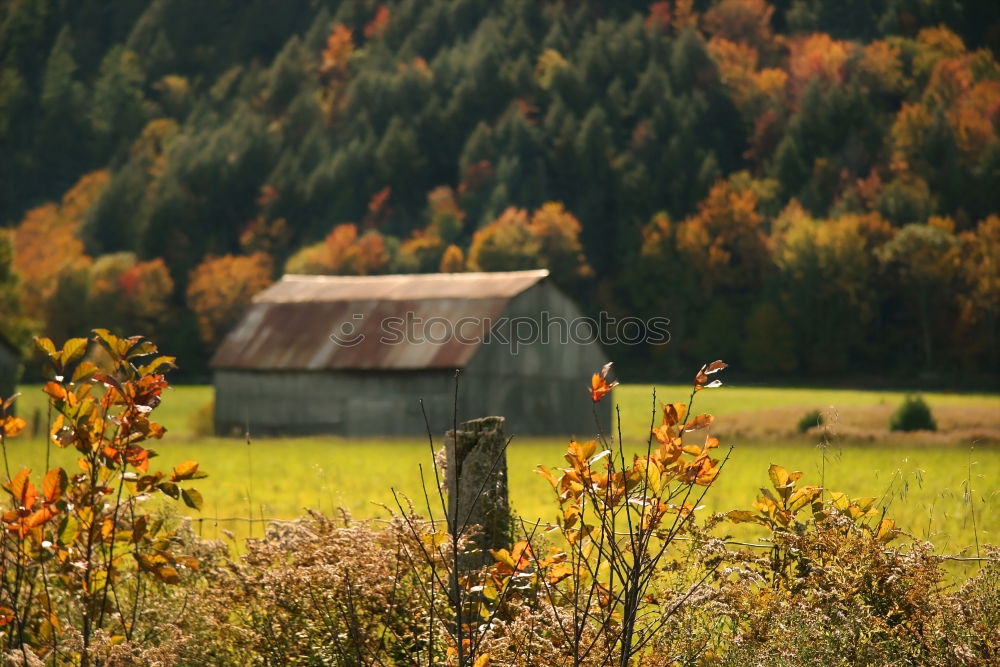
[(673, 413), (886, 530), (138, 457), (701, 379), (54, 484), (73, 350), (544, 472), (709, 369), (599, 385), (578, 454), (23, 490), (186, 470), (521, 554), (192, 498), (11, 426), (55, 390), (45, 345), (158, 366), (699, 422)]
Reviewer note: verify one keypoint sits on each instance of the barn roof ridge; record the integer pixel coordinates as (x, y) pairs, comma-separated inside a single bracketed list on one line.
[(299, 288), (542, 273)]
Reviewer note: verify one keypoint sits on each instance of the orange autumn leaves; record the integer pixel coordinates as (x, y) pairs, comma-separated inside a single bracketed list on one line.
[(599, 385), (651, 481), (23, 517)]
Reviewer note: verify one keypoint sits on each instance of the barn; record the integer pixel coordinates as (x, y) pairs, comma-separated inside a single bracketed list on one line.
[(355, 355)]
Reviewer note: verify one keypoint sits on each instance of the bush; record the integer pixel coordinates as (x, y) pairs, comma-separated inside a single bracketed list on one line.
[(84, 557), (913, 415), (810, 419), (202, 420)]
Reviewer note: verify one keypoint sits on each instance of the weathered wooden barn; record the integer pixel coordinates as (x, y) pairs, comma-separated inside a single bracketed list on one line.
[(354, 355), (10, 367)]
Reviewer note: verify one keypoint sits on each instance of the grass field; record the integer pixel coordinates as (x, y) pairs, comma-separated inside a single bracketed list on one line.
[(934, 492)]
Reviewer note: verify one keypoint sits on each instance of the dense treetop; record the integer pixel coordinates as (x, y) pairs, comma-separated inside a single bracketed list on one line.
[(803, 185)]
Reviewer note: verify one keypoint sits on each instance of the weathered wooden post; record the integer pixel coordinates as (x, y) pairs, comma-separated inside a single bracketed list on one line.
[(476, 479)]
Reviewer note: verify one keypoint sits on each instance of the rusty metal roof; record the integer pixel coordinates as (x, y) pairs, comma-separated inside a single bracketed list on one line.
[(289, 325)]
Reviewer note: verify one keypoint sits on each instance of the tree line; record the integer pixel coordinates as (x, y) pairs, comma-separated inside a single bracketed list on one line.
[(804, 186)]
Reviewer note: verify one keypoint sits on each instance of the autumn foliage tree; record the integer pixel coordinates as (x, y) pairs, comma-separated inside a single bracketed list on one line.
[(220, 289), (342, 252), (506, 244), (549, 238), (829, 272), (724, 243), (47, 242), (980, 299), (130, 293), (334, 69)]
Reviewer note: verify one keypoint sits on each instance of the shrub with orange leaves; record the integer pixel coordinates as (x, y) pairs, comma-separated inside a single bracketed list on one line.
[(76, 547), (558, 233), (600, 495)]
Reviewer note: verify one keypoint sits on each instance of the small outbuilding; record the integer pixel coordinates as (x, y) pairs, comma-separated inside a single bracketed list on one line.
[(356, 355), (10, 367)]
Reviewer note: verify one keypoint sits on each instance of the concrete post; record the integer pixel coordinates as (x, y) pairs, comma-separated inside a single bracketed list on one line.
[(477, 461)]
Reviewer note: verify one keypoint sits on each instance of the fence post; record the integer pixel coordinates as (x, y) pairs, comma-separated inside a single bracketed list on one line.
[(477, 462)]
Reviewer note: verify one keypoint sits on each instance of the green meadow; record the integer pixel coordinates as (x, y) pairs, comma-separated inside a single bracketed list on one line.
[(948, 494)]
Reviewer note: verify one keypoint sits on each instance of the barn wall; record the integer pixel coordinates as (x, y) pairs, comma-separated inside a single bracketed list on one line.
[(542, 389), (343, 403)]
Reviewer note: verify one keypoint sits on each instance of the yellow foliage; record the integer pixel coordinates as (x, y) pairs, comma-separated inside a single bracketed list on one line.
[(550, 239), (980, 255), (453, 260), (46, 241), (342, 252), (423, 252), (839, 250), (881, 63), (818, 56), (505, 244), (549, 63), (220, 289), (974, 116), (724, 241)]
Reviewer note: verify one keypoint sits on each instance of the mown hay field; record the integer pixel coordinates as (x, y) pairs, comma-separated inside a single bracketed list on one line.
[(944, 487)]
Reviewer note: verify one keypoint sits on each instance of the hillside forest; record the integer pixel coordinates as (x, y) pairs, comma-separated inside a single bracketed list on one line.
[(804, 187)]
